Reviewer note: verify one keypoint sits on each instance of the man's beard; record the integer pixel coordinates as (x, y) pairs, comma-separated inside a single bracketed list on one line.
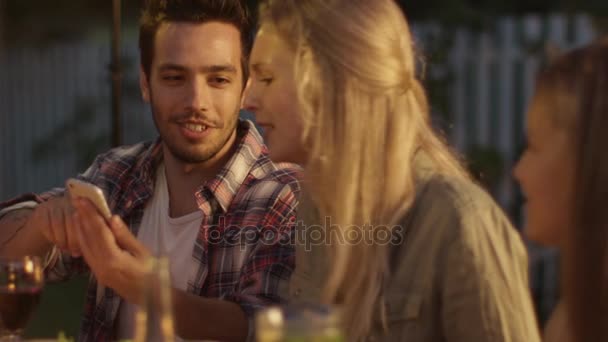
[(212, 148), (196, 157)]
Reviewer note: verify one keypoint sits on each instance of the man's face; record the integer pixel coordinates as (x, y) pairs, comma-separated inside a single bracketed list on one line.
[(194, 88)]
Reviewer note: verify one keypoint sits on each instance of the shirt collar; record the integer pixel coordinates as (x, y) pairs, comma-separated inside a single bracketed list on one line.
[(144, 177), (225, 184), (250, 147)]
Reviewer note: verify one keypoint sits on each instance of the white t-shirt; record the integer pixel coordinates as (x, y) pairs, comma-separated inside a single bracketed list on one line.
[(173, 237)]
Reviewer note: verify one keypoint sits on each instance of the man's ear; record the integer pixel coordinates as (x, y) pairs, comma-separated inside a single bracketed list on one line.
[(144, 85)]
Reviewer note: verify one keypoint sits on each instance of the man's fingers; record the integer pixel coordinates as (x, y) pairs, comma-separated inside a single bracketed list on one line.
[(96, 221), (72, 240), (41, 219), (98, 243), (81, 238), (58, 225), (50, 226), (125, 239), (95, 229)]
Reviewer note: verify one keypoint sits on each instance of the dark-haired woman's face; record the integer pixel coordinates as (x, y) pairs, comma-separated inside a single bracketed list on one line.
[(546, 175)]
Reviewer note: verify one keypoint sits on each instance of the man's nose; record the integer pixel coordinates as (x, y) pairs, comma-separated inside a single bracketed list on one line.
[(198, 95)]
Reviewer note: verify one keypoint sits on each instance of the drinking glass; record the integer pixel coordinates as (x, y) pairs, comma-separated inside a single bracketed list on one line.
[(21, 283), (154, 320)]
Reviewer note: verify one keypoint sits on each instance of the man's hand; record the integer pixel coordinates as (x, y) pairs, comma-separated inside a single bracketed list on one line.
[(119, 261), (114, 255), (53, 219)]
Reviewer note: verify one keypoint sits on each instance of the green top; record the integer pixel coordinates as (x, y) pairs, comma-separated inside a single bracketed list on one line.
[(461, 273)]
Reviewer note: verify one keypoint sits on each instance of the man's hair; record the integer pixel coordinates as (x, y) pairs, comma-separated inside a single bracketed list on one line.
[(157, 12)]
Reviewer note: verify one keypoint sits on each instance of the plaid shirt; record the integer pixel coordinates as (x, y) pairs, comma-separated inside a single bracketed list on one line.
[(243, 248)]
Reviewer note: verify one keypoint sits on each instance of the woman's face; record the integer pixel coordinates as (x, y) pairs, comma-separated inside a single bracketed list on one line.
[(546, 175), (271, 95)]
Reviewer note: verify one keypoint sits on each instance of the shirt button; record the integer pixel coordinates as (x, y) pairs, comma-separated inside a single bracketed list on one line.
[(297, 292), (128, 204)]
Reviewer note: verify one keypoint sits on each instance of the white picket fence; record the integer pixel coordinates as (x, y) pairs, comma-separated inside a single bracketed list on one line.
[(491, 81), (493, 74)]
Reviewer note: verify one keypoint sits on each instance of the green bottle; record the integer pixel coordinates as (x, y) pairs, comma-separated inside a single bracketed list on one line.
[(299, 323)]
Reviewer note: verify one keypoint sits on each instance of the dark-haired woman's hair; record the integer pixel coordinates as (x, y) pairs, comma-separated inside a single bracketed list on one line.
[(575, 90)]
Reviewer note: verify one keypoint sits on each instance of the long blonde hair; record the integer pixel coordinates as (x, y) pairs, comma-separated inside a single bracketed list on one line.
[(365, 116)]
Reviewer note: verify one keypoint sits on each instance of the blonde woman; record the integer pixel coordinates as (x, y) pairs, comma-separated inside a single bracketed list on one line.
[(333, 85)]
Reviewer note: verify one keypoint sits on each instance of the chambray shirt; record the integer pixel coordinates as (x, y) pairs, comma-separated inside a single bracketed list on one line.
[(459, 270), (243, 251)]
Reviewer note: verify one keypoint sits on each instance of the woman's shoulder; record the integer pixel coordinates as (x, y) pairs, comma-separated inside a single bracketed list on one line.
[(449, 196), (451, 209), (452, 193)]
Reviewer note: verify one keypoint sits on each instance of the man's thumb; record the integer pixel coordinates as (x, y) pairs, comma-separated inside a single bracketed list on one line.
[(125, 239)]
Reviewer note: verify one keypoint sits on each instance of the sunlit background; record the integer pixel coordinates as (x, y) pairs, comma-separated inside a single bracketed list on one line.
[(478, 60)]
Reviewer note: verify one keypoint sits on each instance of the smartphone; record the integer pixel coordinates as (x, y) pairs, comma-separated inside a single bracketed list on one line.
[(78, 188)]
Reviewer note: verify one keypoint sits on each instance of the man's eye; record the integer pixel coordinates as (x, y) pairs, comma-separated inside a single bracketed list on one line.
[(220, 80), (172, 78)]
